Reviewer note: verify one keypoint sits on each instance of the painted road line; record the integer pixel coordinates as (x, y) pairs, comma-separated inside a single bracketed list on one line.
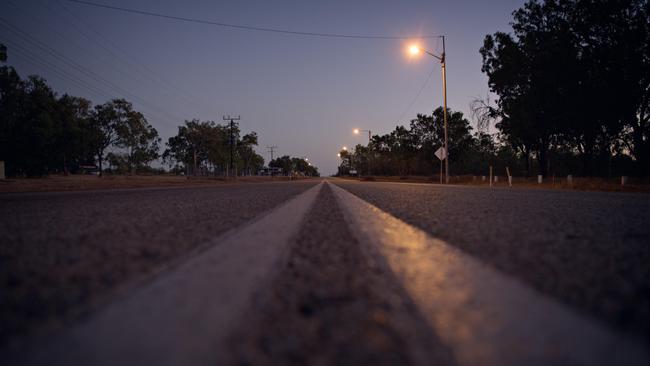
[(184, 316), (484, 316)]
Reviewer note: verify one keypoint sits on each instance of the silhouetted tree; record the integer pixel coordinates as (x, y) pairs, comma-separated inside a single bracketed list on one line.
[(135, 135), (572, 74), (284, 163), (103, 127), (205, 145)]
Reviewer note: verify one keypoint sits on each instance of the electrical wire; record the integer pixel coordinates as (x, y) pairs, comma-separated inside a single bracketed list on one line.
[(25, 36), (129, 60), (247, 27), (62, 73), (34, 59), (417, 95)]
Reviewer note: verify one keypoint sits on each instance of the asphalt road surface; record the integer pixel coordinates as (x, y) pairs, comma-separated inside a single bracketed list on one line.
[(325, 272)]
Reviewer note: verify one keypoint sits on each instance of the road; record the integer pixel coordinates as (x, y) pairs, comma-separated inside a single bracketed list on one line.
[(325, 272)]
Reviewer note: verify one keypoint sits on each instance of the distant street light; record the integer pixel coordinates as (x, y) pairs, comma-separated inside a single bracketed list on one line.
[(357, 131), (345, 148), (415, 50)]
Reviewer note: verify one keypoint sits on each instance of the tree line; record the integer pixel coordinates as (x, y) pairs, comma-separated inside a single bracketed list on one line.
[(205, 147), (43, 133), (573, 88), (410, 150), (289, 165), (573, 79)]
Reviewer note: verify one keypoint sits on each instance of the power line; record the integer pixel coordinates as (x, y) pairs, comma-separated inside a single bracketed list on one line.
[(417, 95), (38, 61), (57, 70), (246, 27), (85, 51), (25, 36), (129, 60)]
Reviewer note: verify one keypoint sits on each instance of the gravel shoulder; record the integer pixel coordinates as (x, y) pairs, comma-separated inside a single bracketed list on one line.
[(61, 183), (589, 250), (64, 253), (334, 302)]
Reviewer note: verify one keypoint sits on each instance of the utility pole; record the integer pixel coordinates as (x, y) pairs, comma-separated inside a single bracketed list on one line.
[(270, 149), (415, 49), (443, 63), (232, 140)]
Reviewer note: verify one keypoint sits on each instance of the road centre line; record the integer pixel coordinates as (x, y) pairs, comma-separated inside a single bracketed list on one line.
[(484, 316), (184, 316)]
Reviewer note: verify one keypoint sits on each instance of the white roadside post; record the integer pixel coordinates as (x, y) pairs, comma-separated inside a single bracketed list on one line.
[(2, 169)]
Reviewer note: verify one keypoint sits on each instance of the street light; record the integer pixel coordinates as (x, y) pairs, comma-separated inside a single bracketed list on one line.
[(356, 132), (345, 148), (415, 50)]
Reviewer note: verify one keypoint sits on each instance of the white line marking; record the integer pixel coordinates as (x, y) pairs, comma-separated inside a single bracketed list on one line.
[(484, 316), (183, 318)]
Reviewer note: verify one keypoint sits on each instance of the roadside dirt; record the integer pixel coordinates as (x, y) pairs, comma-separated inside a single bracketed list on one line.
[(578, 184), (90, 182)]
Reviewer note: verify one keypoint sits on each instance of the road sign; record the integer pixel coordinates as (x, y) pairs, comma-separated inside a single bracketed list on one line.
[(353, 172), (441, 153)]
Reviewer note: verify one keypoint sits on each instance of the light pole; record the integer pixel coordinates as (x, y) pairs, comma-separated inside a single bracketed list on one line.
[(356, 132), (415, 50)]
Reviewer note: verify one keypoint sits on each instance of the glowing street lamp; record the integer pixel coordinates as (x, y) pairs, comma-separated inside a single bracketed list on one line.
[(356, 131), (415, 50)]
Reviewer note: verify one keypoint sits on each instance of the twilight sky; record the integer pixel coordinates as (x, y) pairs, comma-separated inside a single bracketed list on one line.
[(303, 94)]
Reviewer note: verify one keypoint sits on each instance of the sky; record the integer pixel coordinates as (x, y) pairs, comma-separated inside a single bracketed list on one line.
[(303, 94)]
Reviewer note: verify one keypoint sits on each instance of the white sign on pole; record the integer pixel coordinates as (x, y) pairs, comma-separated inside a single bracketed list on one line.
[(441, 153)]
